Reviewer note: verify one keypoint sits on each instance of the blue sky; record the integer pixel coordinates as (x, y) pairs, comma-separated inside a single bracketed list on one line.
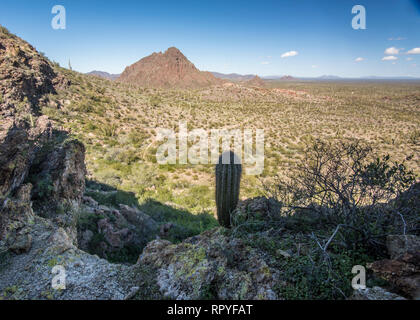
[(227, 36)]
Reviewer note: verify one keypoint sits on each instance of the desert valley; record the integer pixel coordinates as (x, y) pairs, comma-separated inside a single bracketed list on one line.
[(80, 186)]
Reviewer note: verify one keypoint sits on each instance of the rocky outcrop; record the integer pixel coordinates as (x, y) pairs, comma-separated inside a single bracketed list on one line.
[(42, 181), (111, 232), (58, 174), (402, 271), (35, 241), (375, 293), (26, 77), (16, 152), (16, 216), (18, 145), (30, 275), (210, 265)]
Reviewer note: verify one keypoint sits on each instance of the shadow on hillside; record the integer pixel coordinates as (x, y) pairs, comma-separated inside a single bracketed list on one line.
[(183, 223)]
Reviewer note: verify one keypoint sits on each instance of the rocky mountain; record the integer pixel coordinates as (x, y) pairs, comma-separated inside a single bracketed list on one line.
[(170, 69), (103, 74)]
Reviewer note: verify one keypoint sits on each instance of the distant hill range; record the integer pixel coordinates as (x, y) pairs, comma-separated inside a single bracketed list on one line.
[(287, 78), (390, 78), (329, 77), (234, 76), (192, 77), (170, 69), (283, 77), (103, 74)]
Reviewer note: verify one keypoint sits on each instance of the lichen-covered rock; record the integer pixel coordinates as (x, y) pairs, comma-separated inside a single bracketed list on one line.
[(29, 275), (16, 217), (375, 293), (15, 157), (18, 145), (59, 175), (210, 265), (108, 232), (143, 222)]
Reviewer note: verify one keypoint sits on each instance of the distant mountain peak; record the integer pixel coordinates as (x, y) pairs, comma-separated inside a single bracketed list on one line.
[(255, 82), (170, 69), (173, 51), (287, 77), (103, 74)]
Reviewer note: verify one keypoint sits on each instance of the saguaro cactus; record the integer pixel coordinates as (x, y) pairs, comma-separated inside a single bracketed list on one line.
[(228, 178)]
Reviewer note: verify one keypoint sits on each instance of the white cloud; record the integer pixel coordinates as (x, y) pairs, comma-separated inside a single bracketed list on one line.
[(265, 62), (409, 59), (289, 54), (387, 58), (314, 66), (359, 59), (392, 50), (397, 38), (414, 51)]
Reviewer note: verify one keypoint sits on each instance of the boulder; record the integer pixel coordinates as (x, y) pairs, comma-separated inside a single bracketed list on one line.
[(125, 230), (87, 277), (402, 271), (210, 265), (59, 176)]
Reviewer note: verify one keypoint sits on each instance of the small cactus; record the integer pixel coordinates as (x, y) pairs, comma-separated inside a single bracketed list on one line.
[(228, 178)]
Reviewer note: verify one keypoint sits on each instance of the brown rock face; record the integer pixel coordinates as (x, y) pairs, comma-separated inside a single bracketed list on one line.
[(403, 270), (170, 69)]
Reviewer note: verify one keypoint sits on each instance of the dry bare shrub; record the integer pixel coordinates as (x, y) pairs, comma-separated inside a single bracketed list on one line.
[(344, 184)]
